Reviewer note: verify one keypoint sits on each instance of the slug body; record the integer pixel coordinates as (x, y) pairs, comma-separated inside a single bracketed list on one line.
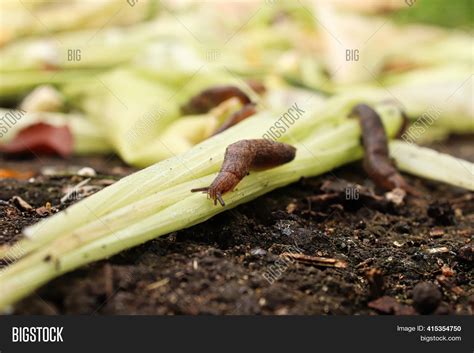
[(212, 97), (377, 162), (235, 118), (243, 156)]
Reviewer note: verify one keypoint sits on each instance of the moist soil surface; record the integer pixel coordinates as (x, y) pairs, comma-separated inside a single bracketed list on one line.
[(233, 263)]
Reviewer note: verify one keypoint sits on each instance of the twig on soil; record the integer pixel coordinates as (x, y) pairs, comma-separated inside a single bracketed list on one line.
[(74, 190), (157, 284), (315, 260)]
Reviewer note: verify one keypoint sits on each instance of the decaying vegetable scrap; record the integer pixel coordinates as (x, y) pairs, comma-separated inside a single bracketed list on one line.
[(242, 156), (15, 174), (41, 139), (125, 96)]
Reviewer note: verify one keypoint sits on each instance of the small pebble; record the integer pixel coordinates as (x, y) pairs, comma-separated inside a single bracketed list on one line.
[(87, 172), (426, 297), (258, 252), (466, 253)]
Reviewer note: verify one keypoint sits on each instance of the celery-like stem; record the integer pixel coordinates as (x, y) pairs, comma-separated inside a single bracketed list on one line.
[(202, 160), (322, 150), (430, 164)]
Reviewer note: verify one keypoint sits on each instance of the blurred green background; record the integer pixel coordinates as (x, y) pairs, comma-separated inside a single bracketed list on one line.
[(454, 13)]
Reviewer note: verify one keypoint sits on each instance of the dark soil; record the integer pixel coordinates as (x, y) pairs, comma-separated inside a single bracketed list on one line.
[(221, 266)]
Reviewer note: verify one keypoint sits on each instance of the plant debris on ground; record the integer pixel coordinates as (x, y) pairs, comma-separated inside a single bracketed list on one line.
[(218, 267)]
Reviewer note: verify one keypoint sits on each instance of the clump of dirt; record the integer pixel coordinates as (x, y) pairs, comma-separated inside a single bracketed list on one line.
[(233, 263)]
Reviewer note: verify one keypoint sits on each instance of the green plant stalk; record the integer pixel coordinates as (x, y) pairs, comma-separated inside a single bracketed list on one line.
[(14, 84), (110, 223), (83, 247), (88, 138), (62, 17), (438, 97), (322, 139), (442, 97), (192, 210), (430, 164), (202, 160), (98, 49), (318, 153), (148, 205)]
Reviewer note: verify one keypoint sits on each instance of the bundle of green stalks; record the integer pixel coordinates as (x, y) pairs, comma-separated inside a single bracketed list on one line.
[(158, 200)]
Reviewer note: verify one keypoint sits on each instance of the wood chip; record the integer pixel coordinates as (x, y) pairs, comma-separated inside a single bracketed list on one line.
[(315, 260), (436, 233), (365, 262), (450, 285), (20, 203), (158, 284), (464, 233), (108, 280), (291, 208), (447, 271), (396, 196), (440, 250), (376, 281), (43, 211), (322, 198)]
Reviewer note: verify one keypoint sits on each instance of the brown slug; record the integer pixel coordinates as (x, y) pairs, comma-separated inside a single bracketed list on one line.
[(212, 97), (236, 117), (243, 156), (377, 162)]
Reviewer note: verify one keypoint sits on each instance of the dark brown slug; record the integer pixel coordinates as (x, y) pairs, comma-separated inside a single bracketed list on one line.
[(243, 156), (377, 162), (212, 97), (236, 117)]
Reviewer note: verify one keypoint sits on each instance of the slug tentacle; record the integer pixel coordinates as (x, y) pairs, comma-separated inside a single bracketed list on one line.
[(243, 156)]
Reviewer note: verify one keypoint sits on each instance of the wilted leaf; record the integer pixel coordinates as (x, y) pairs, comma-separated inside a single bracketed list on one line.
[(41, 139)]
